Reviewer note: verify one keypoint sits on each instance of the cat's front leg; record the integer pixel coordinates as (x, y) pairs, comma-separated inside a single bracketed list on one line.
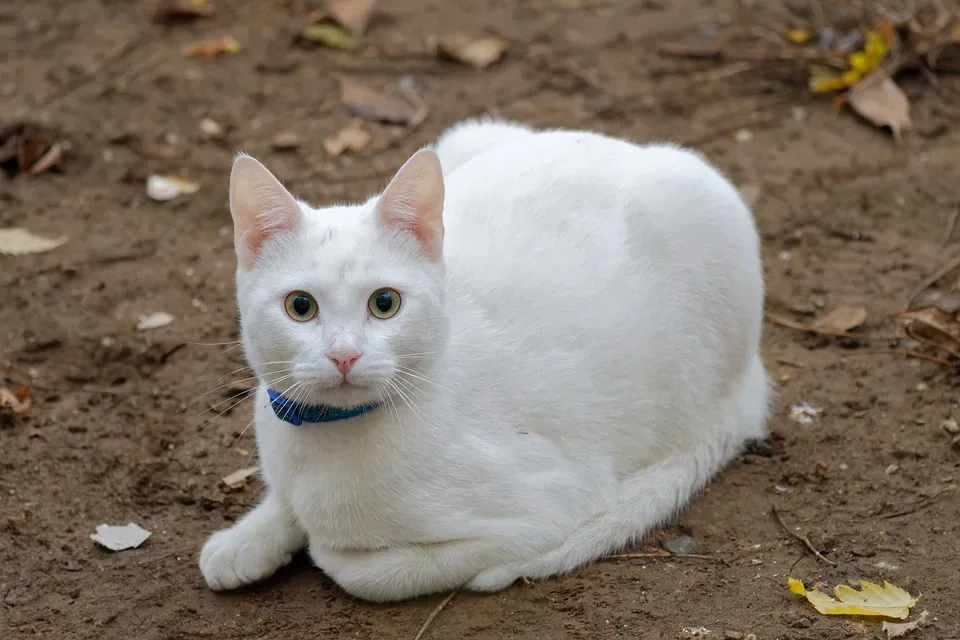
[(253, 549), (399, 573)]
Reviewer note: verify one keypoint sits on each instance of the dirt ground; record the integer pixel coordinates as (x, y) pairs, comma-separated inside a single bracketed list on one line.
[(848, 217)]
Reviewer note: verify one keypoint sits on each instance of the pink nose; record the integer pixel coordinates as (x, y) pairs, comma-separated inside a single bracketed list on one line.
[(344, 360)]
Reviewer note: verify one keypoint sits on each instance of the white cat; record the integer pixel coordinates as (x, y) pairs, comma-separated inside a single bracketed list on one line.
[(506, 371)]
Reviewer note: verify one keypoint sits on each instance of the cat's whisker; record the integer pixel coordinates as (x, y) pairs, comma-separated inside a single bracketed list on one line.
[(240, 437), (213, 344), (388, 399), (246, 392), (403, 396), (251, 366)]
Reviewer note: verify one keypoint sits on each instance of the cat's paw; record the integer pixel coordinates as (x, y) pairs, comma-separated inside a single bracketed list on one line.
[(495, 578), (234, 557)]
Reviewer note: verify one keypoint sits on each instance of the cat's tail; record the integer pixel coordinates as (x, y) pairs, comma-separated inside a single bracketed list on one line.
[(467, 140)]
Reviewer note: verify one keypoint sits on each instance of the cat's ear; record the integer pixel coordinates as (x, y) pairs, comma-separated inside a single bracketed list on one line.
[(260, 206), (413, 201)]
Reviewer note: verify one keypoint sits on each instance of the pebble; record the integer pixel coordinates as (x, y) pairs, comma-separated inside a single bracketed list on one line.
[(892, 469), (950, 427), (744, 135), (680, 546)]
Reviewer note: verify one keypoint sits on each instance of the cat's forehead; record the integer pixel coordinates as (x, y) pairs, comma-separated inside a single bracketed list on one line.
[(340, 239)]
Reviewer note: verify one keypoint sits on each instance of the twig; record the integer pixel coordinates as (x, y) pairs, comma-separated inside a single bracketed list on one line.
[(435, 613), (665, 554), (801, 538), (921, 505), (911, 354), (783, 321), (951, 226), (941, 271)]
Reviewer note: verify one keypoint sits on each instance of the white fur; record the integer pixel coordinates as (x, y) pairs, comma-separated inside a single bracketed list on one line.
[(579, 364)]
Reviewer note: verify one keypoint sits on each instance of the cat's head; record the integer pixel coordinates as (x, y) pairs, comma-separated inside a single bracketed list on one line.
[(341, 305)]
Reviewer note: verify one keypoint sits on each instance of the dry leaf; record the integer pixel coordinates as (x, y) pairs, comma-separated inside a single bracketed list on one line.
[(880, 100), (840, 320), (872, 600), (932, 325), (238, 479), (19, 242), (798, 36), (154, 321), (353, 14), (16, 398), (900, 629), (479, 53), (212, 48), (163, 188), (406, 108), (174, 10), (353, 138), (50, 158), (116, 538), (330, 35)]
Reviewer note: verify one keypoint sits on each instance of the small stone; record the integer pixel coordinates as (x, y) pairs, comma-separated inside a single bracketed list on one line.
[(892, 469), (756, 561), (680, 546), (950, 427), (744, 135)]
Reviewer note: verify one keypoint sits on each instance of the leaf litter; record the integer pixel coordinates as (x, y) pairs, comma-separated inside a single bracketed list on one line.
[(399, 104), (20, 242), (15, 398), (167, 11), (479, 53), (351, 139), (154, 320), (227, 45), (29, 148), (353, 15), (164, 188), (888, 601), (900, 629), (238, 479), (120, 538)]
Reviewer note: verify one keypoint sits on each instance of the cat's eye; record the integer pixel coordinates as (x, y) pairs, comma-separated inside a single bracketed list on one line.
[(384, 303), (300, 306)]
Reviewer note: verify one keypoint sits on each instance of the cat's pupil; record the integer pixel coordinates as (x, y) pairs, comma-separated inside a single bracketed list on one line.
[(301, 305), (384, 302)]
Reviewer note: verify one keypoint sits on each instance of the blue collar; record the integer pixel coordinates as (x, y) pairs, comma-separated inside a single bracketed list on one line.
[(296, 413)]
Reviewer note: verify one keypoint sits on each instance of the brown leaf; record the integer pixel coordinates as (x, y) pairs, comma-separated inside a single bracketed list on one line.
[(160, 150), (354, 15), (50, 158), (840, 320), (177, 10), (404, 107), (878, 99), (212, 48), (238, 479), (353, 138), (16, 398), (932, 326), (479, 53)]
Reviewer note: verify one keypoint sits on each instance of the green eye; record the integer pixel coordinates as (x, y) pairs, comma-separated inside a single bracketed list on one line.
[(384, 303), (300, 306)]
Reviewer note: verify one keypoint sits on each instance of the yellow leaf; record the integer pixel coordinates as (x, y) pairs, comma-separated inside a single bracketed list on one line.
[(798, 36), (861, 62), (211, 48), (888, 601), (824, 81), (330, 35)]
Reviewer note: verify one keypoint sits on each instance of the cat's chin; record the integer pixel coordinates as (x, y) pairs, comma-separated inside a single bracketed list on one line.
[(345, 396)]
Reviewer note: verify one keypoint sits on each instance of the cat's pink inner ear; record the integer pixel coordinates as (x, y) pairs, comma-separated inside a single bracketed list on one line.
[(413, 201), (260, 206)]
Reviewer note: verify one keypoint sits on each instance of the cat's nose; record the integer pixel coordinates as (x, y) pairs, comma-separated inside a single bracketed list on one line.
[(344, 360)]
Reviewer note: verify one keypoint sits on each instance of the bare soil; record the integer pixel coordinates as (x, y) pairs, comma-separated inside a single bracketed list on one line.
[(848, 216)]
